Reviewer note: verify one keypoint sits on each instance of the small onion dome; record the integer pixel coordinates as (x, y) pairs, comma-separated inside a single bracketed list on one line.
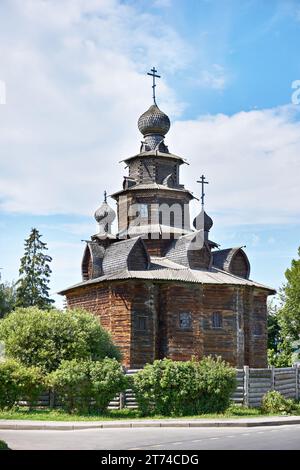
[(203, 221), (105, 214), (154, 121)]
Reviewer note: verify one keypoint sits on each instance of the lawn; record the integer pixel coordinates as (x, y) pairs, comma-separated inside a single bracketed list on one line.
[(47, 414)]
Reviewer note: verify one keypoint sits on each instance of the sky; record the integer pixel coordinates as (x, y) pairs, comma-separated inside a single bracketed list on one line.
[(73, 82)]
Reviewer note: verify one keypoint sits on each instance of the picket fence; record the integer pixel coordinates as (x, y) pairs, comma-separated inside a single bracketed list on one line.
[(251, 386)]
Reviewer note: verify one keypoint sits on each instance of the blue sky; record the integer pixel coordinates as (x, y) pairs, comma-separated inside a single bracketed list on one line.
[(74, 73)]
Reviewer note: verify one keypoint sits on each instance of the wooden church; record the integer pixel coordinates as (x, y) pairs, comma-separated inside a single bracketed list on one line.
[(162, 288)]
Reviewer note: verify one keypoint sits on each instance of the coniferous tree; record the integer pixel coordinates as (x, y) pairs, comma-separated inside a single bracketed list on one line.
[(33, 285)]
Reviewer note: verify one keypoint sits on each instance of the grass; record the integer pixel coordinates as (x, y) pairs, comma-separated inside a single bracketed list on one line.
[(47, 414)]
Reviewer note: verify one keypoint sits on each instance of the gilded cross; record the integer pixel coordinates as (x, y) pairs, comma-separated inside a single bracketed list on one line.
[(203, 182), (153, 75)]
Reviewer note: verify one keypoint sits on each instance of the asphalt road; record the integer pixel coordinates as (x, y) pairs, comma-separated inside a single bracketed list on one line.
[(259, 438)]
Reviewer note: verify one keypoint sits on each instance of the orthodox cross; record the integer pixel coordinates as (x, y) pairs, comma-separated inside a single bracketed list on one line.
[(203, 182), (105, 196), (153, 75)]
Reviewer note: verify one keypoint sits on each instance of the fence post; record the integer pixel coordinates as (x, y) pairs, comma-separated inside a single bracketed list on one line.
[(51, 399), (122, 400), (272, 378), (246, 386)]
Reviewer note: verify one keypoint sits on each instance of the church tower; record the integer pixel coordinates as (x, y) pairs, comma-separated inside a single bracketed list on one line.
[(153, 204)]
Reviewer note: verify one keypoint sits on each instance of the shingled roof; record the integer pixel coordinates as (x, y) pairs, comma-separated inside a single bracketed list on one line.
[(162, 269), (126, 254), (223, 259)]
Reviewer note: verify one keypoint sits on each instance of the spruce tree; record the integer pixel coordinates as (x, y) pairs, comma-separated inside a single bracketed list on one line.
[(33, 285)]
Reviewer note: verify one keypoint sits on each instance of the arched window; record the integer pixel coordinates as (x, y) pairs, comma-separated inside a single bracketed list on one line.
[(217, 320)]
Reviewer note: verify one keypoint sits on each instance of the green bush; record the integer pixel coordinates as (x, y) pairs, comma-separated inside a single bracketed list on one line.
[(274, 402), (217, 382), (45, 338), (107, 379), (3, 446), (86, 386), (169, 387), (19, 383)]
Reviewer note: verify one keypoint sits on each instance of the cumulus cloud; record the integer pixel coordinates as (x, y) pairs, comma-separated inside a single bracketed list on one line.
[(251, 160)]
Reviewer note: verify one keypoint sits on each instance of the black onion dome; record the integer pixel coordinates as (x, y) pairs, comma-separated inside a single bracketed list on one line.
[(203, 221), (154, 121), (105, 213)]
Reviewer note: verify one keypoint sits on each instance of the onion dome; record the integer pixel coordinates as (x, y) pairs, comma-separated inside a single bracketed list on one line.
[(203, 222), (105, 216), (154, 121)]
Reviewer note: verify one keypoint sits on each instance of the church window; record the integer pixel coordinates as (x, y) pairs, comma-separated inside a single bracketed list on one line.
[(217, 320), (257, 330), (185, 321), (141, 323)]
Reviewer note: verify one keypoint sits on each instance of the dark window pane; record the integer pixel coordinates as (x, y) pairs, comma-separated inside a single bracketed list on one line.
[(185, 321), (217, 321)]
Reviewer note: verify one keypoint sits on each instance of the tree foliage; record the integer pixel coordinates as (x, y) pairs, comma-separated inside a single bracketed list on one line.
[(290, 312), (279, 348), (284, 322), (46, 338), (33, 284), (7, 298)]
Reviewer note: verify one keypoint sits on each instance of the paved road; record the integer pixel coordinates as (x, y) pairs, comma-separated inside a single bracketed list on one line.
[(268, 437)]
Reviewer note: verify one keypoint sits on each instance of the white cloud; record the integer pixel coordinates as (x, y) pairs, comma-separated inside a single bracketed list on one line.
[(251, 160)]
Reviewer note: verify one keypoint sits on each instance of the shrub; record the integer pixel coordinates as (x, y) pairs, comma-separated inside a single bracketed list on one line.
[(274, 402), (86, 386), (181, 388), (3, 446), (217, 382), (19, 383), (45, 338), (107, 379)]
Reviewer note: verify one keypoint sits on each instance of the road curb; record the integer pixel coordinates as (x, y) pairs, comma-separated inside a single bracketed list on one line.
[(66, 426)]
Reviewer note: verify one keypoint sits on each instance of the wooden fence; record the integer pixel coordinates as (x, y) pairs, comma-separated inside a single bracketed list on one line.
[(251, 386)]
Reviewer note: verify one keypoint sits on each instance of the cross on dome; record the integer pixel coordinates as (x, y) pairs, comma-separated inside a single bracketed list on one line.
[(153, 75)]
